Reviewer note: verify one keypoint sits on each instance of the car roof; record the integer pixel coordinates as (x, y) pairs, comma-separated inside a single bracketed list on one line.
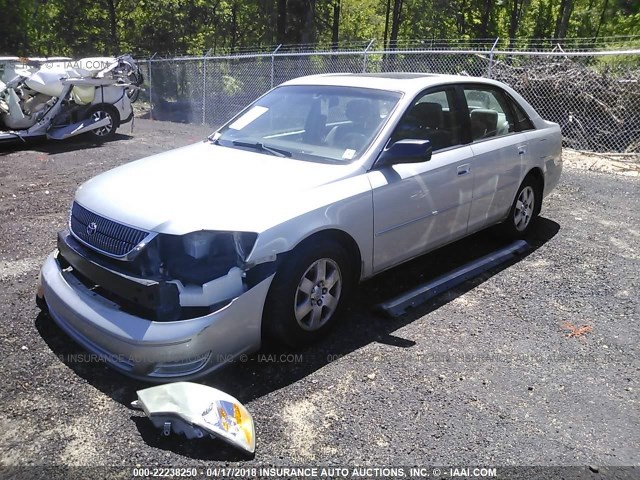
[(393, 81)]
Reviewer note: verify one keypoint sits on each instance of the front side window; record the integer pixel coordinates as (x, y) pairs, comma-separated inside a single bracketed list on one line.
[(489, 113), (316, 123)]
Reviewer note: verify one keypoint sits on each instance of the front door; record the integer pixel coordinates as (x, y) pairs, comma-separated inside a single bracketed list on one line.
[(420, 206)]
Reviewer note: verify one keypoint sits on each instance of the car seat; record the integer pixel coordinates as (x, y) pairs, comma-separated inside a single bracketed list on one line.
[(430, 121), (354, 134)]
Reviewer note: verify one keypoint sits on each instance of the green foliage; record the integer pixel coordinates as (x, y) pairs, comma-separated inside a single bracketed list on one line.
[(14, 26), (193, 27), (361, 20), (231, 85)]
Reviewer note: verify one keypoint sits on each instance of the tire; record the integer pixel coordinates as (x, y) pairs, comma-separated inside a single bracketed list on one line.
[(524, 210), (303, 303), (42, 304), (136, 79), (104, 134), (133, 94)]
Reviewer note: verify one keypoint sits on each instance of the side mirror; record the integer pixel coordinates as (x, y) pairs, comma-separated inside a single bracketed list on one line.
[(405, 151)]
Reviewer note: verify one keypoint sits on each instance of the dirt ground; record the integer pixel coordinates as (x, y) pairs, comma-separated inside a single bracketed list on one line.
[(486, 374), (620, 164)]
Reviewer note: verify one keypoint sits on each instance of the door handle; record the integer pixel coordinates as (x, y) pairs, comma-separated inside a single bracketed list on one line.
[(464, 169), (522, 149)]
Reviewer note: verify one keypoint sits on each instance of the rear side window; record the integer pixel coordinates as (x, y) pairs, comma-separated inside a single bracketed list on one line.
[(490, 113), (431, 117)]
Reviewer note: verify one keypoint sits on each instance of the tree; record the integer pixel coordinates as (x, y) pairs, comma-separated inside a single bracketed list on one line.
[(335, 25), (113, 27), (562, 23), (84, 27), (396, 19), (281, 26), (517, 7), (485, 19)]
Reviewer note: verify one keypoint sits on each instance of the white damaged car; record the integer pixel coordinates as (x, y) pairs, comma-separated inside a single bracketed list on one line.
[(59, 98), (173, 264)]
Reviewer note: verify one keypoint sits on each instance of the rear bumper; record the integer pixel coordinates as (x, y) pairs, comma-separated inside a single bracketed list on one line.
[(553, 171), (149, 350)]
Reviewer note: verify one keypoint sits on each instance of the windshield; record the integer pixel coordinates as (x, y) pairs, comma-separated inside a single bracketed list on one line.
[(311, 122)]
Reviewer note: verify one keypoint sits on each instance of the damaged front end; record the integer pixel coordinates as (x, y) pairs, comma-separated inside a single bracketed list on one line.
[(158, 276), (156, 306)]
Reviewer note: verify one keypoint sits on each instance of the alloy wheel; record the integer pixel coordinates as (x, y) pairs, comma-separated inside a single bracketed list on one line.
[(524, 209), (318, 294), (101, 115)]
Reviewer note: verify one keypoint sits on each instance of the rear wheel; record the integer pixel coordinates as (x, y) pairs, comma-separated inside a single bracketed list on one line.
[(308, 293), (104, 112), (524, 210)]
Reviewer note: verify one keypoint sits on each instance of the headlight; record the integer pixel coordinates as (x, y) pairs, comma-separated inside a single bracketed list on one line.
[(201, 256), (192, 409)]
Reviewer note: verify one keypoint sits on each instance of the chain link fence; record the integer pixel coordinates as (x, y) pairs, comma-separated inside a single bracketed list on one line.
[(593, 95)]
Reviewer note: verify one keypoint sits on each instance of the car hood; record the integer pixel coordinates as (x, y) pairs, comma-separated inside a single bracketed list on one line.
[(209, 187)]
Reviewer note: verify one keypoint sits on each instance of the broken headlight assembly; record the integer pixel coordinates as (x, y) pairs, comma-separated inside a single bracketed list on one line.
[(191, 275), (195, 410), (199, 257), (195, 258)]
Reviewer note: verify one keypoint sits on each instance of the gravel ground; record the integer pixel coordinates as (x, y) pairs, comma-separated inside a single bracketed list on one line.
[(485, 374)]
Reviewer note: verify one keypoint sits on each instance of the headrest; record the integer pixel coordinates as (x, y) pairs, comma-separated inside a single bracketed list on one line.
[(429, 114), (358, 110), (486, 116), (484, 123)]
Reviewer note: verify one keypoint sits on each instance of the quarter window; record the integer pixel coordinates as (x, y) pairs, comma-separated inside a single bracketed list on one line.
[(522, 119)]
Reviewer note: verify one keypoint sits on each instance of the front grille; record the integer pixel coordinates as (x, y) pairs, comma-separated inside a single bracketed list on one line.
[(108, 236)]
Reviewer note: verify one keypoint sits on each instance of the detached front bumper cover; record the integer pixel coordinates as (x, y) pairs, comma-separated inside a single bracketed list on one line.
[(196, 410)]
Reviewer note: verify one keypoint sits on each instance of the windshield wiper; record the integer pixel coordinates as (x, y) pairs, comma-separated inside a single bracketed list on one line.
[(262, 147)]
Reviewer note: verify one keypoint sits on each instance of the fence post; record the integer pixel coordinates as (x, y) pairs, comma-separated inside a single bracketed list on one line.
[(151, 87), (491, 57), (273, 61), (204, 86), (364, 62)]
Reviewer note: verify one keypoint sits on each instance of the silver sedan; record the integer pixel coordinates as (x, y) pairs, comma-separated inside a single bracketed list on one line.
[(175, 264)]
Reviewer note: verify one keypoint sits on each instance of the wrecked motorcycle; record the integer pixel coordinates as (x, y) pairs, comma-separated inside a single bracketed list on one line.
[(67, 98)]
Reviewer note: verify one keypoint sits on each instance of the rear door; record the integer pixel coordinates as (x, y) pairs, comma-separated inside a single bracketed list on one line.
[(500, 153)]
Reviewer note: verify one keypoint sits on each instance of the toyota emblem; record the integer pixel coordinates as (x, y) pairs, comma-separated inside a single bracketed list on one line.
[(92, 228)]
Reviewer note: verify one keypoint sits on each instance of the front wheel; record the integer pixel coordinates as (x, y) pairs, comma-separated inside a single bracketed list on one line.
[(524, 210), (307, 293)]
